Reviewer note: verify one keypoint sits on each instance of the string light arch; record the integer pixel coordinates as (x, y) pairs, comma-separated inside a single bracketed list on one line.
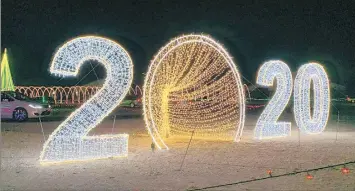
[(68, 95)]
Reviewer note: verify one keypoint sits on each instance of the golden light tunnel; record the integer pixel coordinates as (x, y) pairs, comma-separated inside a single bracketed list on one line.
[(192, 84)]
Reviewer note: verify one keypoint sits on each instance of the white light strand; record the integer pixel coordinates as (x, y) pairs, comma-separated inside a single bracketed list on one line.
[(185, 71), (315, 123), (68, 95), (70, 141), (266, 126)]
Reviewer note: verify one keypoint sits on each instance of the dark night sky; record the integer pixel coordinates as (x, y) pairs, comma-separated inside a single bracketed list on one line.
[(254, 32)]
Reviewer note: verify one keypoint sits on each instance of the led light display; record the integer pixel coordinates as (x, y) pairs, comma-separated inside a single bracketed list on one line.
[(69, 94), (6, 79), (308, 74), (266, 126), (70, 141), (192, 84)]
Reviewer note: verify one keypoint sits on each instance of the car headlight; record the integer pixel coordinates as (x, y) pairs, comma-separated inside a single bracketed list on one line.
[(35, 106)]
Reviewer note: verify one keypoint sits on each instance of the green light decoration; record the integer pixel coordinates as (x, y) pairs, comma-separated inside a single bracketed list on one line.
[(6, 79)]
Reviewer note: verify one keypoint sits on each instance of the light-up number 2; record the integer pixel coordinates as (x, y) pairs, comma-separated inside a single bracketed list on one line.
[(266, 126), (70, 141)]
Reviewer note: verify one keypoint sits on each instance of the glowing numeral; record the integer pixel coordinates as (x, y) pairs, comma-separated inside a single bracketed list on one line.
[(188, 69), (70, 141), (266, 126), (316, 122)]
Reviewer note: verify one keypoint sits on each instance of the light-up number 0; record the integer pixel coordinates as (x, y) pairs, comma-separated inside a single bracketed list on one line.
[(266, 126), (70, 141)]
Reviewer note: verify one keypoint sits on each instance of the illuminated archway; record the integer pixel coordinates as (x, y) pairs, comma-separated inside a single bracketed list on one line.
[(192, 84), (61, 95)]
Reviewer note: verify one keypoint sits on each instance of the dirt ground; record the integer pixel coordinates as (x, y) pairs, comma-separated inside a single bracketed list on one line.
[(207, 163)]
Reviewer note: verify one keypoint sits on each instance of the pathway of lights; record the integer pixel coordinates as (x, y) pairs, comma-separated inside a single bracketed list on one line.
[(181, 76), (70, 141), (266, 126), (68, 95), (192, 85)]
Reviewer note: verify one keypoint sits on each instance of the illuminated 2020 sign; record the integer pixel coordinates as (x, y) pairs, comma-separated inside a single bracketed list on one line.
[(188, 67)]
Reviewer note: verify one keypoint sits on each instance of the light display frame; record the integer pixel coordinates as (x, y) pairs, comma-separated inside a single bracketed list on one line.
[(69, 141), (151, 76)]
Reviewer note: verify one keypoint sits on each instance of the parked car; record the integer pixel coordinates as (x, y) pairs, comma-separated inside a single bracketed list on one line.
[(19, 107), (131, 101), (351, 100), (45, 100)]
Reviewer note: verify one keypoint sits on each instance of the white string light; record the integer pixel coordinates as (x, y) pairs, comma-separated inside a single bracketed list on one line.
[(315, 123), (266, 126), (67, 94), (70, 141), (186, 71)]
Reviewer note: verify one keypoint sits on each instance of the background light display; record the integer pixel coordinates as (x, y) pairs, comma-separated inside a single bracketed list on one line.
[(266, 126), (70, 141), (192, 84), (68, 94), (308, 74), (6, 78)]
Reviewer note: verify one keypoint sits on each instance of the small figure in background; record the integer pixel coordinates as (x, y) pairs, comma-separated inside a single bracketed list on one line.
[(152, 146)]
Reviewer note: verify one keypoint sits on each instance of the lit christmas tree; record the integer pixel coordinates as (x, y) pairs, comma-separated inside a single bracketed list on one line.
[(6, 78)]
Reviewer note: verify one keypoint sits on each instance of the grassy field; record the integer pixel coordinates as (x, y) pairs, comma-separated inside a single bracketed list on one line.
[(345, 110)]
